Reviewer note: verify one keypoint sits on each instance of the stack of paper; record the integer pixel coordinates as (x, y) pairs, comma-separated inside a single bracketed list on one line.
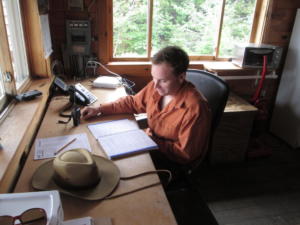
[(88, 221), (80, 221), (48, 147), (120, 138)]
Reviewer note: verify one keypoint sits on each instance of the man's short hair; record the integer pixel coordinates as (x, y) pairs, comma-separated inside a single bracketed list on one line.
[(177, 58)]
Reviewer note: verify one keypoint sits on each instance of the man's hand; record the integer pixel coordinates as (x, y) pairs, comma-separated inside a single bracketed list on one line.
[(89, 112)]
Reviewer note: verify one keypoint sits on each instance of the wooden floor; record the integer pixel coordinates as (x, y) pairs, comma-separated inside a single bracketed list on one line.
[(261, 191)]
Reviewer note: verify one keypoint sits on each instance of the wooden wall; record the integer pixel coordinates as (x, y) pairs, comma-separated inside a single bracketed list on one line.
[(280, 21), (39, 66), (59, 13)]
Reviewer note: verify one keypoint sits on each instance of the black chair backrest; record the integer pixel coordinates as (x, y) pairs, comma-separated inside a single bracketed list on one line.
[(215, 90)]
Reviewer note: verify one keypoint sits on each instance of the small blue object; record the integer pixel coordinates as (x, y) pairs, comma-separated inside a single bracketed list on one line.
[(29, 95)]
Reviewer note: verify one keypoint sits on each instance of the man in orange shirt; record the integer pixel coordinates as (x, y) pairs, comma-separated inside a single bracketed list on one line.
[(178, 115)]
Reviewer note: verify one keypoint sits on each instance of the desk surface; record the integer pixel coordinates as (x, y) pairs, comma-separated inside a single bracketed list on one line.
[(225, 68), (149, 206), (237, 104)]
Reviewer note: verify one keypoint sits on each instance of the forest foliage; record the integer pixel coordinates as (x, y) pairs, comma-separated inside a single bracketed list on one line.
[(190, 24)]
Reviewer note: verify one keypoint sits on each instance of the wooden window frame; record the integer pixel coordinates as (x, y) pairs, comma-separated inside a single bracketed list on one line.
[(7, 71), (255, 35)]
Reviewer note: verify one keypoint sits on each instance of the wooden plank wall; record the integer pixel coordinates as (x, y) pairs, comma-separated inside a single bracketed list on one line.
[(59, 13), (38, 65), (279, 23)]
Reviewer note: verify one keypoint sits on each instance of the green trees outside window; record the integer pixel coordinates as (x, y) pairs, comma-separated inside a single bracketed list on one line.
[(201, 27)]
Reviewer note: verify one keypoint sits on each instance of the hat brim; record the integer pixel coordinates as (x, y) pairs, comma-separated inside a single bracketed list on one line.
[(42, 179)]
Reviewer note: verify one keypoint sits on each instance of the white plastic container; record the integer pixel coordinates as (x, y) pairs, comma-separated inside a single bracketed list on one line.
[(14, 204)]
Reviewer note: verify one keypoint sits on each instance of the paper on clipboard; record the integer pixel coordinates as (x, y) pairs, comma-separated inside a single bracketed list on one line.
[(47, 147)]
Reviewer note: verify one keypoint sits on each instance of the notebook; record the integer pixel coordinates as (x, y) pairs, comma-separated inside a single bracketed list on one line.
[(121, 138)]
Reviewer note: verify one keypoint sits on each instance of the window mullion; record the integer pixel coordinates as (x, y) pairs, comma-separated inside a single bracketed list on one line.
[(8, 87), (5, 58), (220, 29), (149, 24), (258, 21), (110, 30), (21, 71)]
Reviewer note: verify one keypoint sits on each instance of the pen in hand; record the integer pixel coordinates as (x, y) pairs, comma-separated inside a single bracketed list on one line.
[(63, 147)]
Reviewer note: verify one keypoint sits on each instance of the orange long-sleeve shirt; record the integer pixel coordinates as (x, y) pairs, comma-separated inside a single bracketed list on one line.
[(181, 128)]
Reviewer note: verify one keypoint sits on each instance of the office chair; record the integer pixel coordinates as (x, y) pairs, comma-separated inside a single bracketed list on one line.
[(215, 89), (185, 200)]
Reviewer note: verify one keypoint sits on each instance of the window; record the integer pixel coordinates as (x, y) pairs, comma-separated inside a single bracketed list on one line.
[(206, 29), (14, 68), (2, 91)]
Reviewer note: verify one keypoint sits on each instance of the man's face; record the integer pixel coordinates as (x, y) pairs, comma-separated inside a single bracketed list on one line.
[(165, 82)]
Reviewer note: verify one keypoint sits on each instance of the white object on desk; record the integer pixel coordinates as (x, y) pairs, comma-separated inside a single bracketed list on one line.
[(112, 127), (106, 82), (89, 221), (120, 138), (80, 221), (14, 204), (47, 147)]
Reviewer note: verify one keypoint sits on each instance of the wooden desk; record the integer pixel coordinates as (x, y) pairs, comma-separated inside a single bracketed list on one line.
[(149, 206), (228, 69), (232, 136)]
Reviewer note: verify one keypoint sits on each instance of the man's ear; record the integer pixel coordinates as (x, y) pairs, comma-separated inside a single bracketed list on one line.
[(182, 77)]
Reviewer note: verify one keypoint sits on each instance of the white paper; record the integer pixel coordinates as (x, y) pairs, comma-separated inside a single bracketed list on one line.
[(125, 143), (89, 221), (120, 138), (112, 127), (79, 221), (47, 147)]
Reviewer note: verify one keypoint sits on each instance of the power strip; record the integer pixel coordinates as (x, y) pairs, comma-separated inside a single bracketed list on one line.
[(106, 82)]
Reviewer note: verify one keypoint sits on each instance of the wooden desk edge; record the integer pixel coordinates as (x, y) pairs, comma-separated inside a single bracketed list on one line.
[(12, 167)]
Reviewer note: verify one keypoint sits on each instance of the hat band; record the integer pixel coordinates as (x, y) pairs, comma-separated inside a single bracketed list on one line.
[(60, 181)]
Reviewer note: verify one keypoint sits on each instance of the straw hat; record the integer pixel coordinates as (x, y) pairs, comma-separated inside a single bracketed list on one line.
[(78, 173)]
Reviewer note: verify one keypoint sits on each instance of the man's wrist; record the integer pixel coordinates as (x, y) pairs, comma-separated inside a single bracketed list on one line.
[(99, 111)]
